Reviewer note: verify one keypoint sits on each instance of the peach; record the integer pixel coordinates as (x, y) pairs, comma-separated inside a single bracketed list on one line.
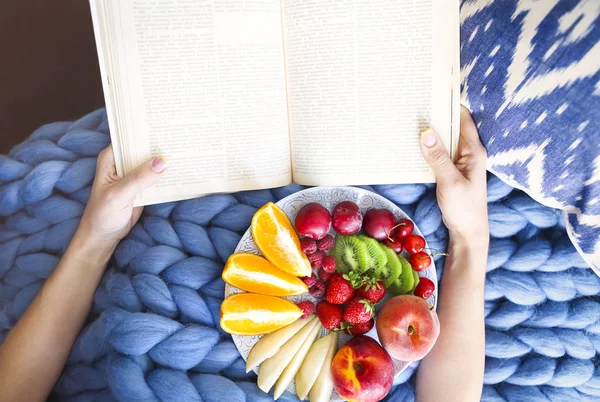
[(407, 327), (362, 370)]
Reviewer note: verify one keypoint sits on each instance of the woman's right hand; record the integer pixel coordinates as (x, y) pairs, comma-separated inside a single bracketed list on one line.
[(461, 186)]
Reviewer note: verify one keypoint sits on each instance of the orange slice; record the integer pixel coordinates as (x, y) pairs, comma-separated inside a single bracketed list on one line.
[(277, 240), (252, 314), (253, 273)]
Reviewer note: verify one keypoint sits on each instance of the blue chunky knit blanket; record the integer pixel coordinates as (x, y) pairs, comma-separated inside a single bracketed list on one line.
[(153, 333)]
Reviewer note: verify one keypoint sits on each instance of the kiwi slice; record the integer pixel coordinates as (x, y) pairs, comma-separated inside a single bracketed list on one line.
[(377, 256), (406, 277), (393, 267), (350, 254), (395, 288), (417, 279)]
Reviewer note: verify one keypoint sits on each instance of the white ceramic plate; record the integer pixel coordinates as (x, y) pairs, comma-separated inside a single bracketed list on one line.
[(329, 197)]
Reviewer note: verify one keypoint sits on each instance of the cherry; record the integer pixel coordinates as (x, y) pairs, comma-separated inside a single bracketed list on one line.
[(425, 288), (414, 244), (420, 261), (404, 227), (395, 244)]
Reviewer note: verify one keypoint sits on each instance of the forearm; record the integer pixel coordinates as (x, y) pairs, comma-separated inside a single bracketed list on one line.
[(35, 351), (453, 370)]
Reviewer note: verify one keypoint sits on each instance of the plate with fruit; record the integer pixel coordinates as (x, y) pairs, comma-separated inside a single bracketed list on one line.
[(330, 294)]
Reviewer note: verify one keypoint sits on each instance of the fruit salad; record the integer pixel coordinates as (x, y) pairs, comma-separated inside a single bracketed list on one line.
[(353, 265)]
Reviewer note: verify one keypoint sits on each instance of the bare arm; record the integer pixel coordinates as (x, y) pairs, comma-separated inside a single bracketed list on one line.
[(453, 370), (34, 352)]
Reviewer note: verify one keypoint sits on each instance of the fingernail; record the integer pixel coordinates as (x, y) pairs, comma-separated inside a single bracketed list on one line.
[(159, 164), (428, 138)]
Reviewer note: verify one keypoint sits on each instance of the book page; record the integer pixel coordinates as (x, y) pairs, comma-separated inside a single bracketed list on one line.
[(363, 81), (203, 84)]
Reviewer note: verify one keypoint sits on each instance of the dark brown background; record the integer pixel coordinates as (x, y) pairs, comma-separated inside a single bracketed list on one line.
[(49, 68)]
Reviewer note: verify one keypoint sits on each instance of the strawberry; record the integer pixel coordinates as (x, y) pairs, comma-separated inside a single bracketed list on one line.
[(358, 311), (326, 243), (316, 259), (358, 329), (307, 308), (329, 314), (373, 292), (339, 290), (308, 246), (329, 263)]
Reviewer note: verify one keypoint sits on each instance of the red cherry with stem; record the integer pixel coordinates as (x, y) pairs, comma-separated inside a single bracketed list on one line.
[(395, 244), (420, 261), (403, 228), (425, 288), (414, 244)]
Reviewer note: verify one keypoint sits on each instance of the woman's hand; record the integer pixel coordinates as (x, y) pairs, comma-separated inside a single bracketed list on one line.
[(461, 187), (34, 353), (458, 356), (110, 214)]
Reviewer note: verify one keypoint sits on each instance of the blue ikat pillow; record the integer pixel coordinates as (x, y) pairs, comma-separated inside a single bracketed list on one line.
[(531, 77)]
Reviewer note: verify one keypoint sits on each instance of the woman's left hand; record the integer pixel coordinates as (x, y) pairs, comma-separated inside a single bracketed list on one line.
[(110, 214)]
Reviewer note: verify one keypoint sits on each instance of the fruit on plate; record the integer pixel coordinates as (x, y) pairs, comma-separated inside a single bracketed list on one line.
[(316, 259), (253, 314), (292, 368), (323, 385), (373, 291), (358, 311), (377, 256), (313, 221), (378, 223), (312, 366), (393, 268), (350, 254), (414, 244), (308, 246), (270, 344), (407, 327), (346, 218), (307, 308), (326, 243), (403, 228), (272, 368), (362, 370), (420, 261), (276, 239), (329, 314), (328, 264), (425, 288), (360, 256), (395, 243), (255, 274), (359, 329), (339, 290)]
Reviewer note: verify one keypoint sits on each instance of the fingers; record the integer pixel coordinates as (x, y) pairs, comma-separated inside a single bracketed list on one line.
[(469, 145), (105, 164), (437, 157), (143, 177)]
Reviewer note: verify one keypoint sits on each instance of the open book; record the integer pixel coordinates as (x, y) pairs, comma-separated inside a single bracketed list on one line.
[(250, 94)]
